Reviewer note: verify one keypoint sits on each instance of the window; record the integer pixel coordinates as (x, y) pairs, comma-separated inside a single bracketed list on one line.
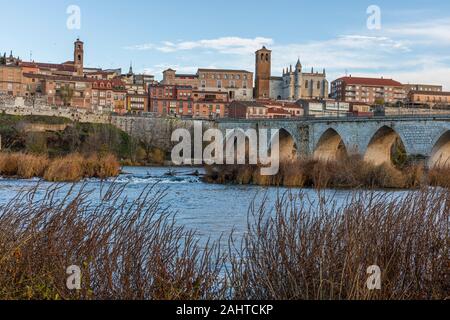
[(306, 84), (219, 83), (318, 84)]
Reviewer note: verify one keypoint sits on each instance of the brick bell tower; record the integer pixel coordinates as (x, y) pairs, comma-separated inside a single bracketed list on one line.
[(78, 57), (263, 73)]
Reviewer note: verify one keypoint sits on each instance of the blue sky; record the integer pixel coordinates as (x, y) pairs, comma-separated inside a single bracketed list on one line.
[(413, 44)]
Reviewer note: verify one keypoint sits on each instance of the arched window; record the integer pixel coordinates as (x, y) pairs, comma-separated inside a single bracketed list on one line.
[(267, 57), (262, 56), (306, 84), (318, 84)]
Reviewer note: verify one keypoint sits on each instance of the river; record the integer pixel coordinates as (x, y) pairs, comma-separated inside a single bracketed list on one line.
[(209, 209)]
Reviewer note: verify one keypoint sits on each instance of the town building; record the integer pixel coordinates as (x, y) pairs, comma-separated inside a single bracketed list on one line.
[(247, 110), (109, 96), (210, 104), (237, 84), (431, 99), (185, 101), (170, 100), (324, 108), (422, 87), (368, 90), (294, 84), (11, 80), (61, 90), (100, 74), (264, 109)]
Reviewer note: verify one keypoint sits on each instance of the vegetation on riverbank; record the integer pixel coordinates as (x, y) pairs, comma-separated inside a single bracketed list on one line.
[(82, 138), (293, 249), (348, 173), (70, 168)]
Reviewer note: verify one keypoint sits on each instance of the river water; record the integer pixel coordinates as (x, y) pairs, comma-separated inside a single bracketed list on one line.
[(211, 210)]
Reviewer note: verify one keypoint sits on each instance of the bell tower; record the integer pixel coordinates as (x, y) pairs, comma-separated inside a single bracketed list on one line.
[(263, 73), (78, 57)]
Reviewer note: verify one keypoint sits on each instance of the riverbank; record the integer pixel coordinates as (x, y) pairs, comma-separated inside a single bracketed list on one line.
[(58, 137), (70, 168), (348, 173)]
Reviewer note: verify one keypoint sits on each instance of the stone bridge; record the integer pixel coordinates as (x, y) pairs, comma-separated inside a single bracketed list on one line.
[(423, 137)]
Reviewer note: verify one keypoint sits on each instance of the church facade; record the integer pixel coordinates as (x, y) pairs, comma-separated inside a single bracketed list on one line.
[(294, 84)]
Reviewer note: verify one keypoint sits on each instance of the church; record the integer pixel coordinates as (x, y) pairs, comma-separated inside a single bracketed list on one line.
[(294, 84)]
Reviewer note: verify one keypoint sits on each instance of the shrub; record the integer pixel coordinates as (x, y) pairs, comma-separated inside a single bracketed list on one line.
[(32, 166), (66, 169), (9, 164)]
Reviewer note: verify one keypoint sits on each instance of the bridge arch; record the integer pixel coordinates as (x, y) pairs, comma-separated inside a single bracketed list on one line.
[(331, 146), (287, 146), (384, 145), (440, 154), (237, 142)]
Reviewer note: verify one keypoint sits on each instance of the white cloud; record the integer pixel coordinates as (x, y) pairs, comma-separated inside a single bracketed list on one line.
[(141, 47), (436, 32), (226, 45)]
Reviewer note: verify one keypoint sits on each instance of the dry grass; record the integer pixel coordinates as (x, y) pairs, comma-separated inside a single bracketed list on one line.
[(348, 173), (71, 168), (295, 248), (125, 249), (439, 177), (299, 249)]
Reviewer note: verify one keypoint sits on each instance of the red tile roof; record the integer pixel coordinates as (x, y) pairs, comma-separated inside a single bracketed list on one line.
[(278, 111), (57, 77), (59, 67), (431, 93), (370, 81)]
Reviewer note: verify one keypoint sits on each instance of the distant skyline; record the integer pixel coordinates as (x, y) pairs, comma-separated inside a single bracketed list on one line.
[(413, 44)]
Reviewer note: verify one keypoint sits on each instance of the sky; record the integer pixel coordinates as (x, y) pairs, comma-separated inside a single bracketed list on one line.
[(410, 42)]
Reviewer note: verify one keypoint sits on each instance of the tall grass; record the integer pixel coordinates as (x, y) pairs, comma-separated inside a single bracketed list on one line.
[(348, 173), (70, 168), (295, 248), (126, 250)]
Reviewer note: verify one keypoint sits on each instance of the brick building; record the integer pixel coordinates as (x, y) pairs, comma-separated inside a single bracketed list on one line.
[(237, 84), (367, 90), (60, 90), (109, 96), (11, 80), (264, 109), (185, 101), (429, 98), (422, 87)]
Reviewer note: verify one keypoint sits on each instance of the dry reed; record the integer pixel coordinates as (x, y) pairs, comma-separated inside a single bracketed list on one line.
[(71, 168)]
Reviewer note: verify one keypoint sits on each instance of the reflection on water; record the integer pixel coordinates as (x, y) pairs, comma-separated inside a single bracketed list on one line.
[(211, 210)]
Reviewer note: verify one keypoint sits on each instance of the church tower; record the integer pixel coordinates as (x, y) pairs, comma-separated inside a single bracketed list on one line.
[(298, 80), (263, 73), (78, 58)]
